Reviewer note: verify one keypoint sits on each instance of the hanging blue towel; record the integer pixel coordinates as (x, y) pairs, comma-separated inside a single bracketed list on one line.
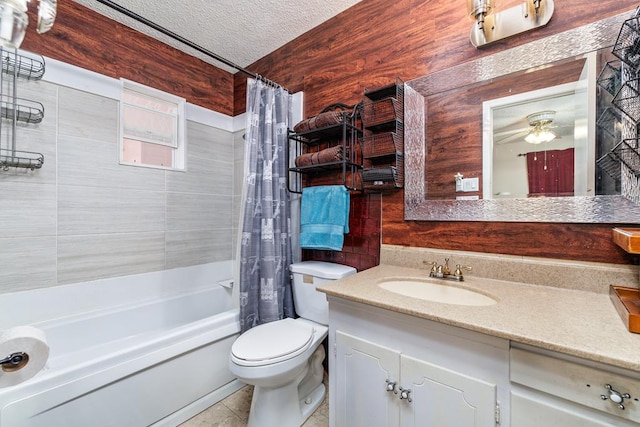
[(324, 217)]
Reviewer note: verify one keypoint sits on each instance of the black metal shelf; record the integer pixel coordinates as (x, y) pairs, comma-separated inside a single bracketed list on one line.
[(346, 135)]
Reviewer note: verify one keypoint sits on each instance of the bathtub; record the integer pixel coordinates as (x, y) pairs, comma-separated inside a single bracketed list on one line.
[(154, 359)]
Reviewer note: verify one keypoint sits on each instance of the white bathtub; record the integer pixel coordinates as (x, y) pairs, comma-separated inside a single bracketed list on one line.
[(156, 360)]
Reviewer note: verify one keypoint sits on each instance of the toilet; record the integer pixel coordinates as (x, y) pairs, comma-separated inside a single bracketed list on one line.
[(283, 359)]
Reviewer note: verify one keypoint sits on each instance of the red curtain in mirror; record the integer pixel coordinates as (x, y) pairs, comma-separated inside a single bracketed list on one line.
[(550, 173)]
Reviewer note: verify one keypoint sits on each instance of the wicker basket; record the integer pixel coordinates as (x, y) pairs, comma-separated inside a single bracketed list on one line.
[(383, 144), (383, 111)]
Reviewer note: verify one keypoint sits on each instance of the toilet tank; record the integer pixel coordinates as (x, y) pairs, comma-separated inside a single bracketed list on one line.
[(307, 275)]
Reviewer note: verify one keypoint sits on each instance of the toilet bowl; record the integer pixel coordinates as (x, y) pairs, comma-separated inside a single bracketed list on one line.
[(283, 359)]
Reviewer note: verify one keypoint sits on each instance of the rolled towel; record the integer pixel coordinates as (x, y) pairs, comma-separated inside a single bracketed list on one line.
[(327, 118), (328, 155)]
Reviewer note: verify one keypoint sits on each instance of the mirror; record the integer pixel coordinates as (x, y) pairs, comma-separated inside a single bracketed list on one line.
[(454, 137)]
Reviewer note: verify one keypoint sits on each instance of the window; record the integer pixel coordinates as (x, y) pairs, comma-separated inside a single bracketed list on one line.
[(152, 127)]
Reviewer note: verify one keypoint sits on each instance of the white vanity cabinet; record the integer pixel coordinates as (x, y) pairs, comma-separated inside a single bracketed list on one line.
[(562, 391), (383, 387), (389, 369)]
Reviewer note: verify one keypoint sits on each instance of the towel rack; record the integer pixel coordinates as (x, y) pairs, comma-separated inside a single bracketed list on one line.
[(347, 135)]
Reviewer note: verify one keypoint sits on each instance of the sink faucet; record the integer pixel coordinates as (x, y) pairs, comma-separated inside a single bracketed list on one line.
[(442, 271)]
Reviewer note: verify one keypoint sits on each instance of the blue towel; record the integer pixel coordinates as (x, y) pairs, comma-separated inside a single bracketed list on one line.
[(324, 217)]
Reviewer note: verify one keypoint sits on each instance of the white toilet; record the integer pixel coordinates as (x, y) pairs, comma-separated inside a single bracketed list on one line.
[(283, 359)]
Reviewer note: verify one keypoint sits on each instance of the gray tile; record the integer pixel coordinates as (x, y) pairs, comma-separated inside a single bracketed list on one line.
[(84, 258), (27, 263), (85, 115), (186, 248), (95, 210), (95, 163), (208, 142), (198, 212), (28, 210), (202, 176)]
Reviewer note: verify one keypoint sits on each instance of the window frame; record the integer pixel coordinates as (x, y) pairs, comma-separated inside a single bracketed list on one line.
[(179, 150)]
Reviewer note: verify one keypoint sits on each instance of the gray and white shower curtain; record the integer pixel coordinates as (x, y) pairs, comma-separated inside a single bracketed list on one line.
[(265, 252)]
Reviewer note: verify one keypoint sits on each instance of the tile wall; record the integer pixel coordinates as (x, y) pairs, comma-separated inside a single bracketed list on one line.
[(83, 216)]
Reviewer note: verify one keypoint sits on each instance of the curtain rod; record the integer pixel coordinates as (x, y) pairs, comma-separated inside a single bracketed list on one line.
[(181, 39)]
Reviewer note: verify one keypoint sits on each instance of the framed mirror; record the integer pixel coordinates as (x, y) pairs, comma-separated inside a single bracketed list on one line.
[(442, 143)]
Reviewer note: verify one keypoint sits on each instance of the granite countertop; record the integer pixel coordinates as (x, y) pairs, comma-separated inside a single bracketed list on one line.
[(579, 323)]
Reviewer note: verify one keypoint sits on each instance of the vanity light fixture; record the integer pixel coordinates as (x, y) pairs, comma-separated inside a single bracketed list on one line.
[(539, 123), (492, 26), (14, 20)]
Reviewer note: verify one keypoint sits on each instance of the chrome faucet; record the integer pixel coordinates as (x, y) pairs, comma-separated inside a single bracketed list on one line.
[(442, 271)]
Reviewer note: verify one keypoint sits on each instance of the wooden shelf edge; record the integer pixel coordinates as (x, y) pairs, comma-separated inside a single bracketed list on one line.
[(627, 303), (628, 239)]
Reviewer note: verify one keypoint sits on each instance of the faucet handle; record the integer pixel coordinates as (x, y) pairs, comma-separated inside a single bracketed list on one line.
[(458, 272), (433, 264)]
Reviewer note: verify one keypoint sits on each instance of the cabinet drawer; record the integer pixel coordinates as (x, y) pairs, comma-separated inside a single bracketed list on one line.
[(575, 382)]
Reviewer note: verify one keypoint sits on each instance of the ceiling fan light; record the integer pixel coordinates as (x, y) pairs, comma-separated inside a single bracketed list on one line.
[(532, 138)]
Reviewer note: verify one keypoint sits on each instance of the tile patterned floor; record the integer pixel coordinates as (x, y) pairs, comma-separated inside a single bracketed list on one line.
[(234, 412)]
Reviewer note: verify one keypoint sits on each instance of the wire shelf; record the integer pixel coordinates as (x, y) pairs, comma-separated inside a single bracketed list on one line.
[(627, 46), (20, 159), (629, 155), (610, 123), (610, 164), (610, 77), (23, 110), (22, 66), (627, 100)]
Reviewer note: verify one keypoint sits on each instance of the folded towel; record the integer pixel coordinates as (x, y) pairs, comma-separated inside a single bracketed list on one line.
[(324, 217), (328, 155)]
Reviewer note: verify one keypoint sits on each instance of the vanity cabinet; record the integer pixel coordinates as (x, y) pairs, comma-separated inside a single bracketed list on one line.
[(553, 390), (384, 387), (390, 369)]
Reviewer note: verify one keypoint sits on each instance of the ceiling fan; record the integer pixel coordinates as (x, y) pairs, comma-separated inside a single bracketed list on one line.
[(538, 130)]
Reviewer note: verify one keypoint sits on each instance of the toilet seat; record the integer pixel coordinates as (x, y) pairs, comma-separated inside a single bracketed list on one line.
[(272, 343)]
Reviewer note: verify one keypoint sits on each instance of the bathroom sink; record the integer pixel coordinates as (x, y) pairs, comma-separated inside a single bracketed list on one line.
[(431, 290)]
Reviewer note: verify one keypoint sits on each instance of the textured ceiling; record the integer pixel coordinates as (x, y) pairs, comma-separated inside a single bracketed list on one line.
[(241, 31)]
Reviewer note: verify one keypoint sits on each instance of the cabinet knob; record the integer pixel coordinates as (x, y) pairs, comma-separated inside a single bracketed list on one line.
[(391, 386), (615, 396), (405, 393)]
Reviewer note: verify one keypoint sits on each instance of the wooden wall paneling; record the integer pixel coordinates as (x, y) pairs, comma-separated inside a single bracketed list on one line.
[(409, 39), (91, 41)]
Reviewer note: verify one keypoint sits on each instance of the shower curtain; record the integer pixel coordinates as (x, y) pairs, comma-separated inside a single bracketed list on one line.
[(265, 249)]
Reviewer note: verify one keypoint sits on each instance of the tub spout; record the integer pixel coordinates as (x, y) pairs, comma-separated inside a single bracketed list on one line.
[(226, 283)]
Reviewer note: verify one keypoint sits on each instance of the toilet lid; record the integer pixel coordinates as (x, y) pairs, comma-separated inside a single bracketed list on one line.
[(272, 342)]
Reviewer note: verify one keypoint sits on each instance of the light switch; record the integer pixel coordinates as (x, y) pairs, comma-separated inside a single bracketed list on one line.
[(470, 184)]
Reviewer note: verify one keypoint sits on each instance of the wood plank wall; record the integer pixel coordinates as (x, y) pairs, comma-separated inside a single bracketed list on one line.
[(91, 41), (374, 42)]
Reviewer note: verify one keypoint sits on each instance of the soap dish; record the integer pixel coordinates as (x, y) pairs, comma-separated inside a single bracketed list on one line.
[(627, 303)]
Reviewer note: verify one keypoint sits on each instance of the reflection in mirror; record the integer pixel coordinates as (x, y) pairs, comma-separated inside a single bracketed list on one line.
[(544, 143), (452, 144)]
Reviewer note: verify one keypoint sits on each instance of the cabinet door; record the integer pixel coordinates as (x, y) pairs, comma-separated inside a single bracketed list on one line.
[(444, 398), (362, 370)]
